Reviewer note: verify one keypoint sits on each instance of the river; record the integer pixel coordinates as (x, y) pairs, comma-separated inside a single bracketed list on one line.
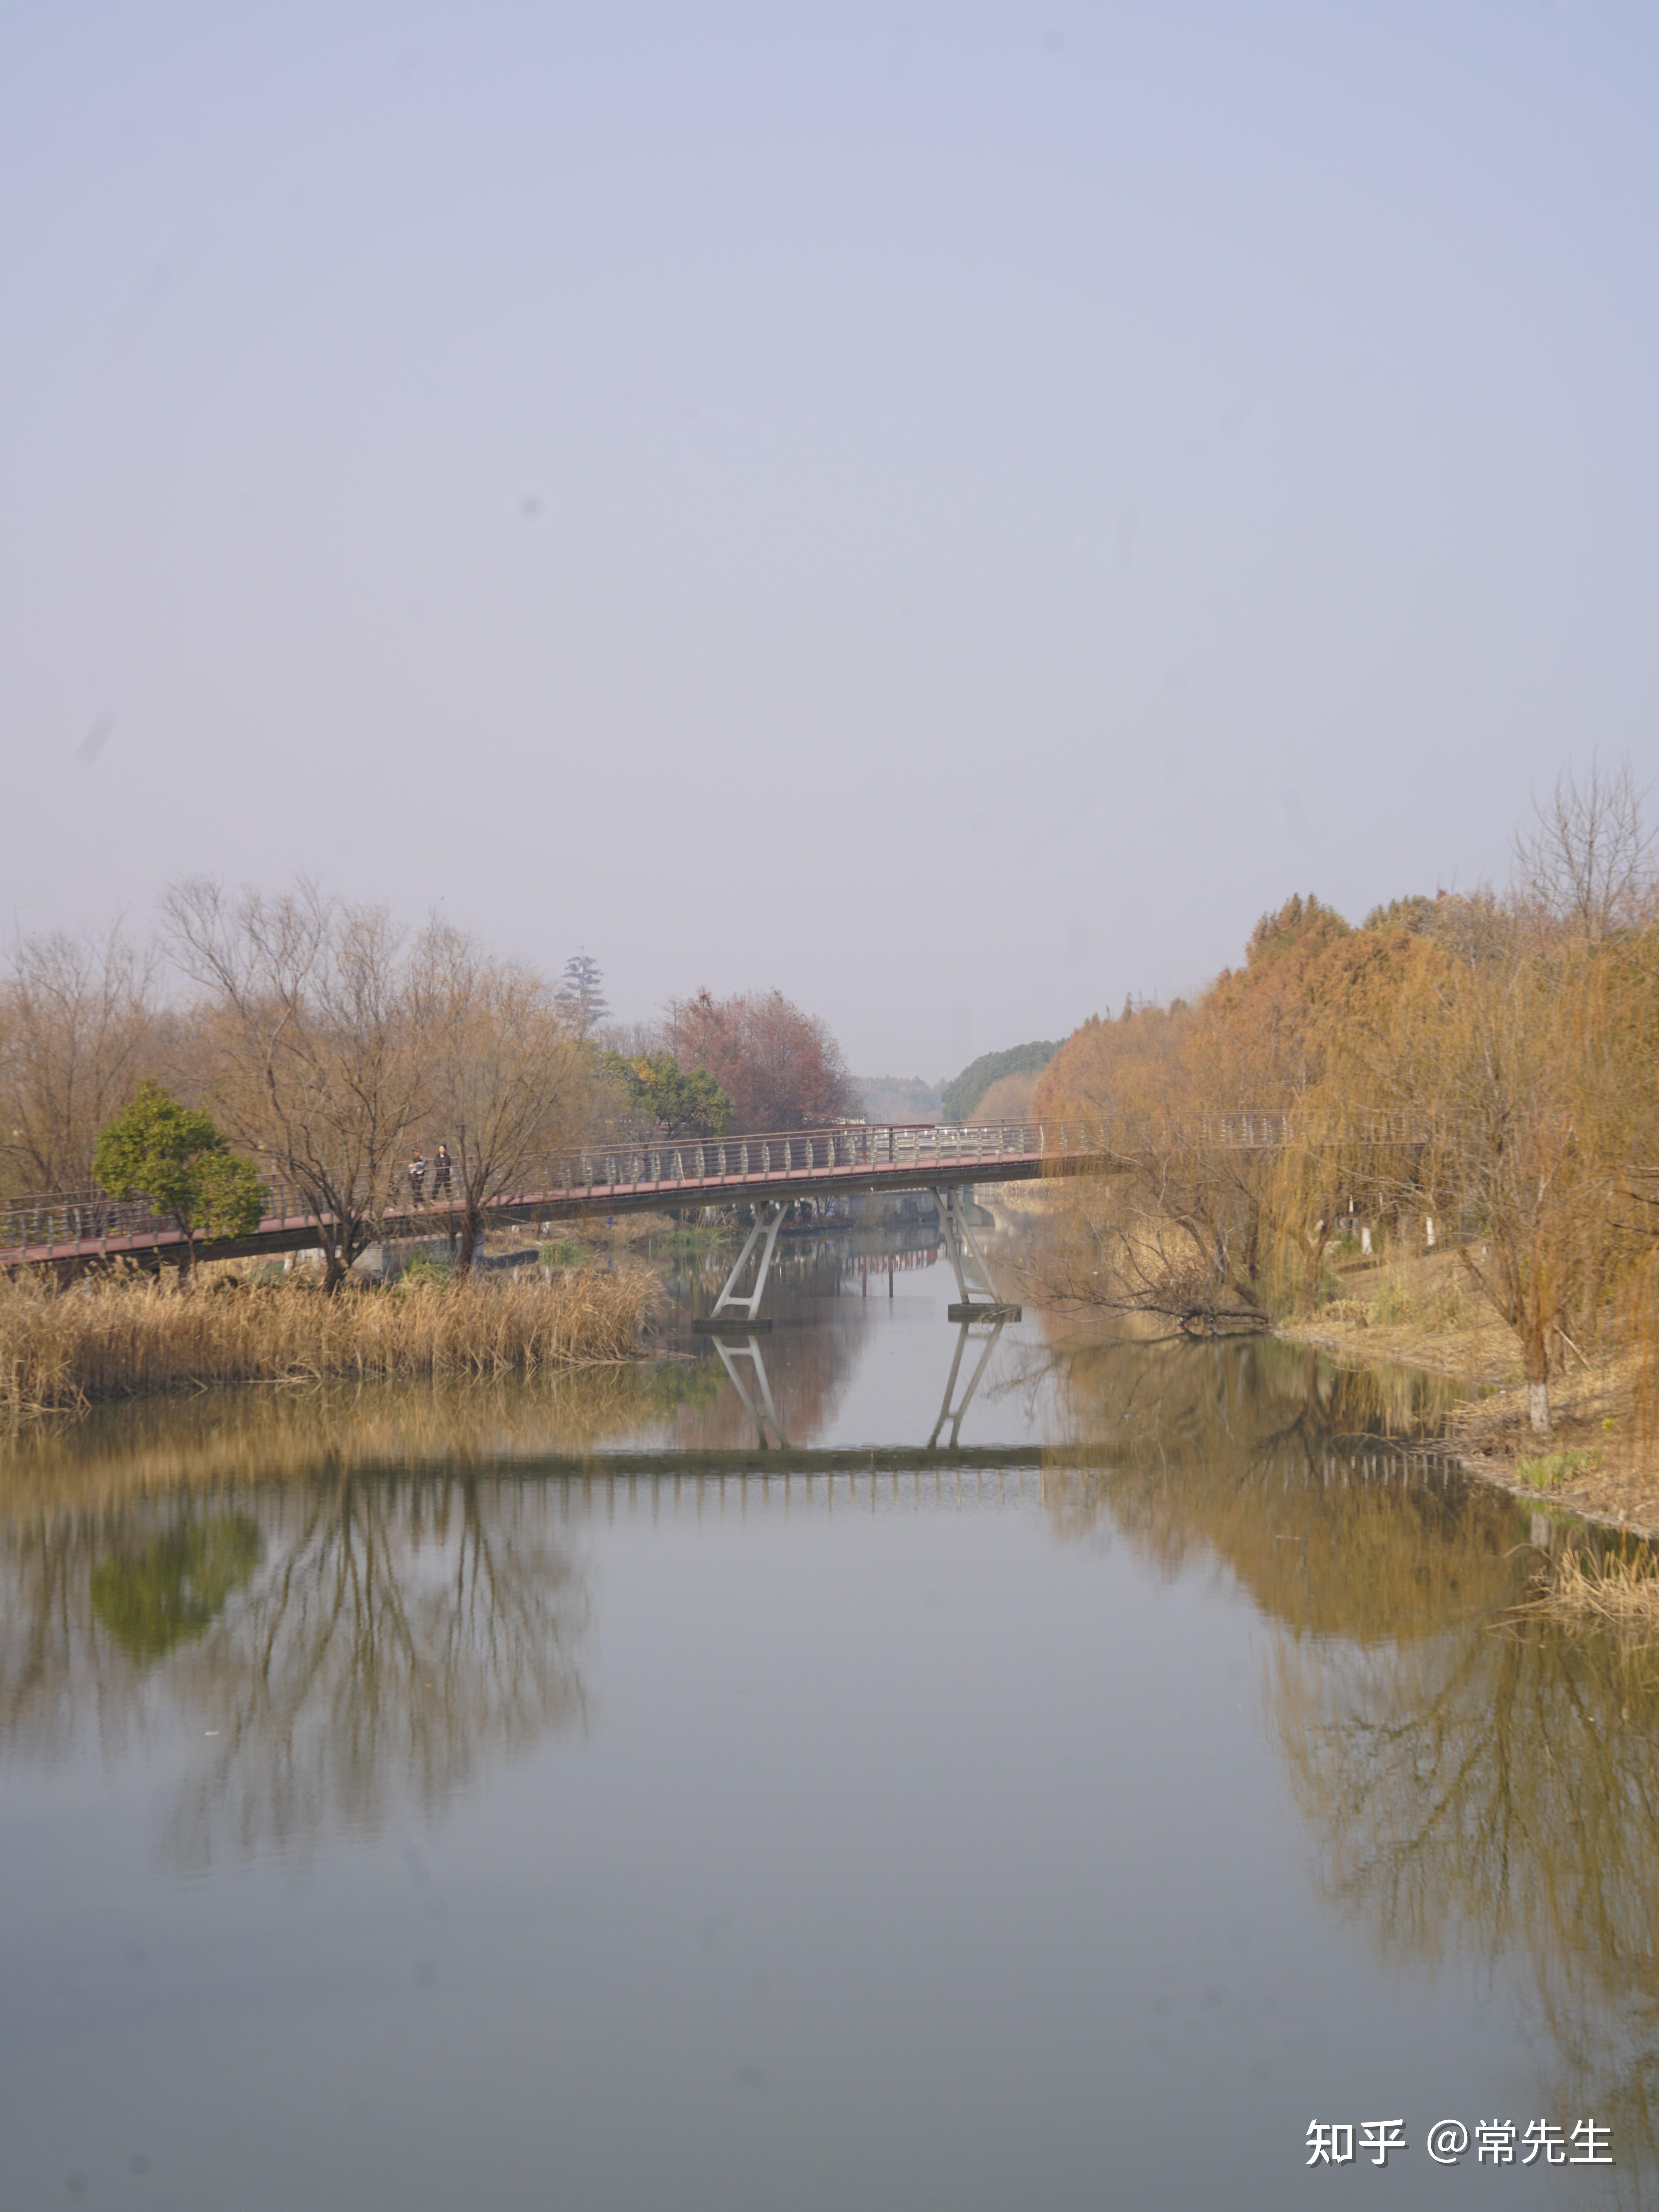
[(648, 1792)]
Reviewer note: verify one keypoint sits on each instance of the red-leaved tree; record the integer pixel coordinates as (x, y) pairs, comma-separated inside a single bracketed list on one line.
[(781, 1068)]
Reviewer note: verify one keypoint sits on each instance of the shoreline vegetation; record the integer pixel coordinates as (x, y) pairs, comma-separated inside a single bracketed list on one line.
[(1449, 1151), (99, 1340)]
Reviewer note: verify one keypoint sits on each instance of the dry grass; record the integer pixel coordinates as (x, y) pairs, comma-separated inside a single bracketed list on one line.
[(64, 1349), (1419, 1308), (1621, 1594)]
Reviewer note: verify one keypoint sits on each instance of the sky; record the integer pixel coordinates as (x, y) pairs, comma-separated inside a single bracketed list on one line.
[(949, 512)]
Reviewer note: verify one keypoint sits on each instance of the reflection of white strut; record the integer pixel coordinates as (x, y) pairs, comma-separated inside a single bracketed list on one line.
[(979, 1334), (980, 1300), (766, 1410), (733, 1303)]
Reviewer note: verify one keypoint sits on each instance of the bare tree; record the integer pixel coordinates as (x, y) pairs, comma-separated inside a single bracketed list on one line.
[(77, 1025), (1587, 865), (504, 1080), (308, 1008)]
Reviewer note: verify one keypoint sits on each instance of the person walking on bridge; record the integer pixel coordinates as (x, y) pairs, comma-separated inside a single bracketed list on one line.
[(441, 1168), (417, 1178)]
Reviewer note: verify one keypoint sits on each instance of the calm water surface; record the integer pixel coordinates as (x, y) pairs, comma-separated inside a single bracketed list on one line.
[(508, 1799)]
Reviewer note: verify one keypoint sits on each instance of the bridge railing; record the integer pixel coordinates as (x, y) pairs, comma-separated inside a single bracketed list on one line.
[(719, 1169), (77, 1218), (788, 1153)]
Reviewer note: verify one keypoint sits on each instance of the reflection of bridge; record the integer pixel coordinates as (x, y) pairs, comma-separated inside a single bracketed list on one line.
[(883, 1480), (744, 1363)]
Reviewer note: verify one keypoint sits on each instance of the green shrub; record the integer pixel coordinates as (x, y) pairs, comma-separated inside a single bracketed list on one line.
[(423, 1268), (1551, 1469), (566, 1253)]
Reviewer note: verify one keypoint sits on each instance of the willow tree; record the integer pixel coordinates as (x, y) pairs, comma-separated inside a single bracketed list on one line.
[(1186, 1231), (1510, 1058)]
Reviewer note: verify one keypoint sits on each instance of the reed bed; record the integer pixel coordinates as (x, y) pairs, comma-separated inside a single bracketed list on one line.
[(64, 1349), (1620, 1593)]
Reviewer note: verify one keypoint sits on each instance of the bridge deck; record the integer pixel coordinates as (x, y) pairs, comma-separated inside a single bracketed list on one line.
[(654, 1178)]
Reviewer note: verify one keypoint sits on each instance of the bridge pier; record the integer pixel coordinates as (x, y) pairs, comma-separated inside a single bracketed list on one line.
[(980, 1297)]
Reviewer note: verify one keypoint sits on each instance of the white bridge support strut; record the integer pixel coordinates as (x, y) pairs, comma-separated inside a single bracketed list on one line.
[(736, 1307), (980, 1300)]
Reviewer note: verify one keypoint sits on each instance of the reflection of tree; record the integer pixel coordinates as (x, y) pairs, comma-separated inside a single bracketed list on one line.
[(395, 1636), (246, 1436), (1475, 1782), (1243, 1451), (172, 1590), (405, 1632), (1499, 1792)]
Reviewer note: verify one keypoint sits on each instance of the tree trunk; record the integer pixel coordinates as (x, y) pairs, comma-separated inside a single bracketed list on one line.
[(1313, 1269), (1535, 1361), (471, 1236)]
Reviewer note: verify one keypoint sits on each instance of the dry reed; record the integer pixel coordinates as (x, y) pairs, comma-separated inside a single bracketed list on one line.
[(1620, 1593), (63, 1349)]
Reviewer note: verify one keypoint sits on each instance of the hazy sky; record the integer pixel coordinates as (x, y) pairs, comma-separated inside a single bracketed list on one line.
[(951, 510)]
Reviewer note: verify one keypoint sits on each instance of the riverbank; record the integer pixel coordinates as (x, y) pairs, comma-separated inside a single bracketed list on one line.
[(1599, 1462), (62, 1350)]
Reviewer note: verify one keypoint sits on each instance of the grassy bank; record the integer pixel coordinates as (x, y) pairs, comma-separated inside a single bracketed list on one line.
[(1602, 1460), (61, 1350)]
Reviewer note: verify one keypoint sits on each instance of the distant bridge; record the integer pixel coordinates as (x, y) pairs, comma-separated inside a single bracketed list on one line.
[(68, 1230)]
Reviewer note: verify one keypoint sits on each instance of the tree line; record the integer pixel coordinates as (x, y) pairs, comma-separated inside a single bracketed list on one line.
[(312, 1040), (1474, 1070)]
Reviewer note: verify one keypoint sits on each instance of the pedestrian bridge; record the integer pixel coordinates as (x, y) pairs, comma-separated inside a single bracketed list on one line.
[(68, 1231), (648, 1177)]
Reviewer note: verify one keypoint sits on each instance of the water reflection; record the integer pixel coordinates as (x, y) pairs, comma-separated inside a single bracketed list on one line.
[(986, 1336), (1474, 1780), (791, 1385), (164, 1590), (1495, 1790), (257, 1435), (345, 1648), (744, 1363), (353, 1605), (1256, 1454)]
